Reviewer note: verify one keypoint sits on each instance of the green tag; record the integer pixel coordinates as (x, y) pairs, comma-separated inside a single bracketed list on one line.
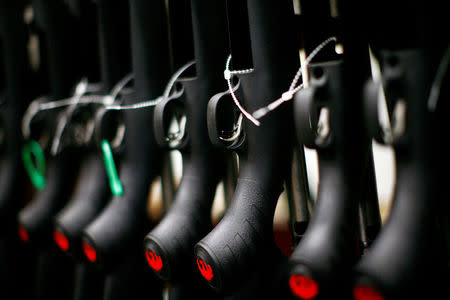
[(35, 172), (114, 181)]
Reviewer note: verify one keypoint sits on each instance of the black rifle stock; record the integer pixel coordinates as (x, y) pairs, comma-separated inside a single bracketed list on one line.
[(407, 259), (115, 236), (322, 262), (89, 198), (60, 37), (189, 218), (241, 246), (59, 27), (16, 89), (92, 190)]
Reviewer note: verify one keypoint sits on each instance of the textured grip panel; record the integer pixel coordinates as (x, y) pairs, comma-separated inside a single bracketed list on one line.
[(185, 224), (242, 238)]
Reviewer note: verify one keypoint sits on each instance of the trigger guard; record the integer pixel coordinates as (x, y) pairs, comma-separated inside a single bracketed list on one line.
[(161, 122), (117, 141), (212, 120), (213, 126), (303, 109), (213, 111)]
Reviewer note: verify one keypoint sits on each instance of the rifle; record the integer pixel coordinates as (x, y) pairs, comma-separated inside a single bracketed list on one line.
[(59, 35), (16, 89), (239, 256), (91, 191), (408, 259), (328, 115), (106, 232), (112, 241), (169, 245)]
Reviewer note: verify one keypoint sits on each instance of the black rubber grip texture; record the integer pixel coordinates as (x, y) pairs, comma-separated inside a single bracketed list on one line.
[(89, 198), (244, 232), (189, 218), (122, 225), (243, 240)]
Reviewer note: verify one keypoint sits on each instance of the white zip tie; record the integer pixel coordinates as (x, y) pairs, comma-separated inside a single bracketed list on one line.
[(82, 88), (78, 98), (119, 86), (286, 96), (106, 100), (228, 74), (166, 94), (70, 101), (139, 105), (175, 77)]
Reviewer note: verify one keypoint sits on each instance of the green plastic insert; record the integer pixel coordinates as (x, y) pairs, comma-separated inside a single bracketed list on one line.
[(35, 172), (114, 181)]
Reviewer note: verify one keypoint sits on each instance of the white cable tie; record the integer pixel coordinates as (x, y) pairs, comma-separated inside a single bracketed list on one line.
[(152, 102), (289, 95), (227, 74)]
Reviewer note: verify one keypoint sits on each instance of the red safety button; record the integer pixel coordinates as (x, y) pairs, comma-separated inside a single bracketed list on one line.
[(303, 287), (61, 240), (89, 251), (23, 234)]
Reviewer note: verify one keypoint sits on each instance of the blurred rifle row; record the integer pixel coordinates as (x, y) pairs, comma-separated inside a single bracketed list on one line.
[(97, 96)]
